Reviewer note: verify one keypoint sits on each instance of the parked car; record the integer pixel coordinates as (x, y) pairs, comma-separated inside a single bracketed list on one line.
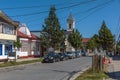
[(77, 54), (51, 57), (71, 55), (83, 53), (63, 56)]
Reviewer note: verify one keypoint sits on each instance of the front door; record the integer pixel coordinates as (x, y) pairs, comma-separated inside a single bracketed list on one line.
[(8, 48), (0, 49)]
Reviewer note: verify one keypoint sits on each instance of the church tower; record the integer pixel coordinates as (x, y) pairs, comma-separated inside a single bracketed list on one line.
[(70, 23)]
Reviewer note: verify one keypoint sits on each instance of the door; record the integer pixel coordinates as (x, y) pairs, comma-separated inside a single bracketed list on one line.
[(8, 48), (0, 49)]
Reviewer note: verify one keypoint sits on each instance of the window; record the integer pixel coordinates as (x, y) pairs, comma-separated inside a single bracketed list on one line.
[(38, 46), (70, 26), (8, 48), (0, 28), (24, 46), (8, 29), (33, 46)]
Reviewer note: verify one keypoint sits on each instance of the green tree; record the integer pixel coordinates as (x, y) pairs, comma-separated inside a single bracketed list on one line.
[(17, 44), (75, 39), (91, 44), (106, 38), (118, 46), (52, 32)]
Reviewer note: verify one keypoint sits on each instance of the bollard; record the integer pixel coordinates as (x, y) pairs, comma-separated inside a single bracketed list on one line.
[(109, 60), (104, 60)]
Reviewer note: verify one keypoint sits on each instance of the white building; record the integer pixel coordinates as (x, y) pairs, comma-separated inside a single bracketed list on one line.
[(7, 35), (30, 43)]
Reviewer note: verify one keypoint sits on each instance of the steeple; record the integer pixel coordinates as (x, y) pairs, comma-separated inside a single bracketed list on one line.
[(70, 16), (70, 23)]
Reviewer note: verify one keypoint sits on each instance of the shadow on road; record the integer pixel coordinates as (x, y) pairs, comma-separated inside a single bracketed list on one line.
[(69, 75), (114, 75), (116, 57)]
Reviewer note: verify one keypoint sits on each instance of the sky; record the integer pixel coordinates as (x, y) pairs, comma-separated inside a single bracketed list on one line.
[(88, 14)]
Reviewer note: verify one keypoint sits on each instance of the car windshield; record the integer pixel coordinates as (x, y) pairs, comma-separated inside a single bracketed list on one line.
[(51, 54), (60, 54), (69, 52)]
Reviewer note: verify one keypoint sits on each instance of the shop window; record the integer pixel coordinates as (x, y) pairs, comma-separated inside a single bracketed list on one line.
[(8, 48)]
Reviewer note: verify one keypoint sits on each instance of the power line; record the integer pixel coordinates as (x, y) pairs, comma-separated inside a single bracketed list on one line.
[(74, 5), (117, 32), (95, 7), (96, 10), (100, 6), (29, 7)]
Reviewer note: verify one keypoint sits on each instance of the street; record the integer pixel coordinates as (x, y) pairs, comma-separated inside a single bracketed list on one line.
[(47, 71)]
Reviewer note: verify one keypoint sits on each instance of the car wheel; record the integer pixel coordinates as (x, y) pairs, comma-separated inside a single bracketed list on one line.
[(58, 60), (54, 60)]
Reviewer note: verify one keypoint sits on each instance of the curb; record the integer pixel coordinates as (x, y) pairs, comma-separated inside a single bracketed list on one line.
[(79, 73)]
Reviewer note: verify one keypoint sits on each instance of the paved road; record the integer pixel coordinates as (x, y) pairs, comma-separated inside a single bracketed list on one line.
[(48, 71)]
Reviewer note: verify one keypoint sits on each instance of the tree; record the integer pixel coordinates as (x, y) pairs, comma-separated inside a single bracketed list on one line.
[(118, 46), (53, 33), (106, 38), (17, 44), (75, 39), (91, 44)]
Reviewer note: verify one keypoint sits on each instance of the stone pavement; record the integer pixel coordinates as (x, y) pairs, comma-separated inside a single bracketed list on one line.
[(114, 68)]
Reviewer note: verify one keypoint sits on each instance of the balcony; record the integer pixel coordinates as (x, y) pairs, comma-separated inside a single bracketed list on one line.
[(7, 37)]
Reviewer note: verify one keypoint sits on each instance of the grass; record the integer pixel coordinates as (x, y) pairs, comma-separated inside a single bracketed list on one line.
[(90, 75), (13, 63)]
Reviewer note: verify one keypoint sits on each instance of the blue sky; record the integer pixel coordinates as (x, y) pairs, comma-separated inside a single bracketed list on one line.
[(88, 14)]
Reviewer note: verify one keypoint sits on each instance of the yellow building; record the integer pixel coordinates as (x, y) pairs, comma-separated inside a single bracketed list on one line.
[(7, 34)]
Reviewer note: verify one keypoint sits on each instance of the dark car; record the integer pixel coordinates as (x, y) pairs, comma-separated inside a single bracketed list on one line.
[(63, 56), (51, 57), (83, 53), (77, 54), (71, 55)]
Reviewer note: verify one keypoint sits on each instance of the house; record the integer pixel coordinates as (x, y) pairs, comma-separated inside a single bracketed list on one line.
[(38, 33), (7, 35), (30, 43), (84, 41)]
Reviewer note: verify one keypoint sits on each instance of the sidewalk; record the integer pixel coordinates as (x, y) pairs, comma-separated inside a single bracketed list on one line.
[(114, 69), (26, 59)]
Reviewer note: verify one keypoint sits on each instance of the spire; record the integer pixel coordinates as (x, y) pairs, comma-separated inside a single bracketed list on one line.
[(71, 17), (70, 22)]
